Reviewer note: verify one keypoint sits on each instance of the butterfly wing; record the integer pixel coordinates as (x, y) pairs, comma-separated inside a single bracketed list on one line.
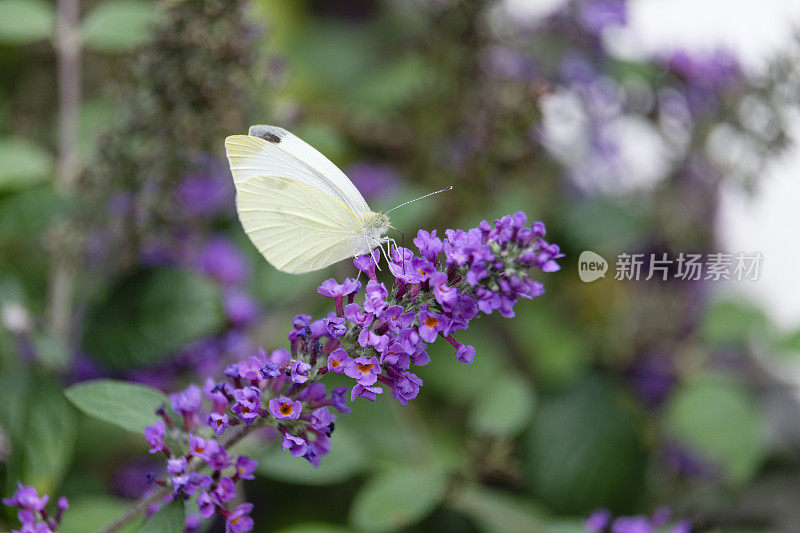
[(273, 151), (296, 226)]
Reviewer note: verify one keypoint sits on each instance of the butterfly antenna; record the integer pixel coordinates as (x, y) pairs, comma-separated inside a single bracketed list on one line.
[(448, 188)]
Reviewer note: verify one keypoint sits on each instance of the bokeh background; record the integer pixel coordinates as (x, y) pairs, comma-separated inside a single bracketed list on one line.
[(121, 255)]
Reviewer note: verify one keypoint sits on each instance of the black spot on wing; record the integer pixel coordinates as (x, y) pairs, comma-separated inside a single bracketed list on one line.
[(271, 134)]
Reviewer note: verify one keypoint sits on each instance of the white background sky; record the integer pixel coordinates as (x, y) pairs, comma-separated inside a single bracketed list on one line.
[(769, 221)]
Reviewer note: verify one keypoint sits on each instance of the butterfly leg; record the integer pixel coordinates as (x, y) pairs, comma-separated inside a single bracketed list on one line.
[(389, 241), (385, 254), (375, 260)]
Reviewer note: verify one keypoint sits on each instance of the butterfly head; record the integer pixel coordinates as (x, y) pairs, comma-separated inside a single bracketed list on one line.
[(375, 226), (380, 222)]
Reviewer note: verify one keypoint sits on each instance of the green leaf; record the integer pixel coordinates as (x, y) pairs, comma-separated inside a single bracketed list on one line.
[(397, 498), (497, 511), (505, 410), (314, 527), (120, 25), (22, 162), (316, 63), (51, 352), (565, 525), (41, 426), (585, 450), (720, 420), (733, 323), (130, 406), (275, 287), (92, 513), (25, 21), (328, 140), (169, 519), (96, 115), (604, 225), (345, 460), (787, 344), (394, 84), (557, 355), (460, 382), (374, 425), (150, 315), (14, 389), (23, 215)]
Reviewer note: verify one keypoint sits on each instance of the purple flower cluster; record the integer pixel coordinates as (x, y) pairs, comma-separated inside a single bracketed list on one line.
[(601, 521), (212, 490), (32, 513), (434, 294), (374, 341)]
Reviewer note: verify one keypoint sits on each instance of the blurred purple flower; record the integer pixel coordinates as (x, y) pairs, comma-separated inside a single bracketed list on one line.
[(632, 524), (687, 462), (576, 68), (241, 309), (374, 180), (596, 15), (223, 261), (597, 521), (653, 377), (508, 63), (130, 480), (203, 195), (600, 520), (716, 70), (84, 368)]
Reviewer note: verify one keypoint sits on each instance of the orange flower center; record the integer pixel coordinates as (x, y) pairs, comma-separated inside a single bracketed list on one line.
[(364, 368), (431, 321), (335, 363), (286, 409)]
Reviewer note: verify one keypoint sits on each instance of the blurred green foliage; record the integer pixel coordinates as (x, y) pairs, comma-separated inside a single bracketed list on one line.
[(25, 21), (150, 316), (572, 405)]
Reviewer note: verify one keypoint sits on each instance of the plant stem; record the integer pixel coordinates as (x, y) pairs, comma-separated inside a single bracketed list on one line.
[(140, 506), (68, 54)]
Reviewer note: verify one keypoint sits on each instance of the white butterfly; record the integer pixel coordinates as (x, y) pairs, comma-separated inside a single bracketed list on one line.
[(297, 207)]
